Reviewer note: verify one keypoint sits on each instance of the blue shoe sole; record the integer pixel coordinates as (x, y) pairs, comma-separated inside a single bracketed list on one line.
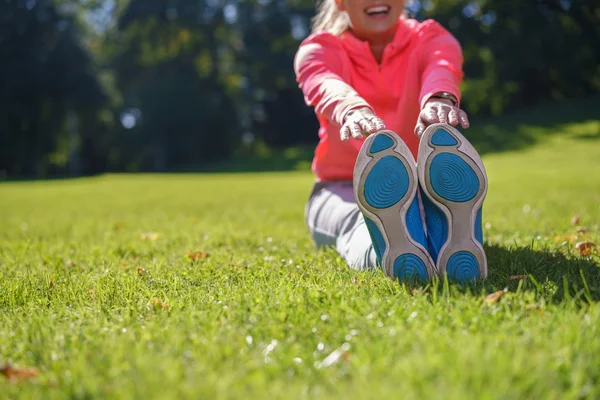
[(385, 188), (454, 185)]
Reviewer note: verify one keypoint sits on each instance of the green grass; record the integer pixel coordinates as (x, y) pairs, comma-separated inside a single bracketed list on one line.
[(261, 314)]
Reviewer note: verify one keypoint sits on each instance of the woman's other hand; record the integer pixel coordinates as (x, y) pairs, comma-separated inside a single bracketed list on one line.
[(442, 111), (359, 123)]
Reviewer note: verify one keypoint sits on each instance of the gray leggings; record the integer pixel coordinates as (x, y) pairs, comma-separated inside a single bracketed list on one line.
[(334, 220)]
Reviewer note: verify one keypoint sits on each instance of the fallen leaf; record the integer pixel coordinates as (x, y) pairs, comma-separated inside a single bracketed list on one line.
[(565, 238), (576, 219), (18, 374), (92, 292), (585, 248), (517, 277), (152, 236), (494, 297), (197, 255), (140, 271), (159, 304), (51, 284)]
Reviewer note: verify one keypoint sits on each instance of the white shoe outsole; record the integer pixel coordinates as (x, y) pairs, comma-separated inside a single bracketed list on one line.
[(385, 187), (453, 178)]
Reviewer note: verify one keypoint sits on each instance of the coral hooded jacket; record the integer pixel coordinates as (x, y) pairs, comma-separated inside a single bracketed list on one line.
[(339, 73)]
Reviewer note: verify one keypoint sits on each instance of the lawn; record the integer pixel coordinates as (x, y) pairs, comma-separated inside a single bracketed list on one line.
[(208, 286)]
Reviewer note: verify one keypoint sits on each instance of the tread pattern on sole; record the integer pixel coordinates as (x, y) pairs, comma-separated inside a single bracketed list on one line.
[(414, 223), (409, 266), (452, 178), (443, 138), (376, 238), (463, 266), (478, 226), (437, 227), (381, 143), (387, 183)]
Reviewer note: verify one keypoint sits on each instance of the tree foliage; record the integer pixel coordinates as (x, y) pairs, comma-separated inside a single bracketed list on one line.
[(139, 85)]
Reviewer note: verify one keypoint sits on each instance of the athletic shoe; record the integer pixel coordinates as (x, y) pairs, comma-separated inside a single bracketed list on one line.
[(385, 187), (454, 184)]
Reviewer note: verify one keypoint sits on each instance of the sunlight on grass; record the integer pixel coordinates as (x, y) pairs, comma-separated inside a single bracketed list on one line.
[(194, 286)]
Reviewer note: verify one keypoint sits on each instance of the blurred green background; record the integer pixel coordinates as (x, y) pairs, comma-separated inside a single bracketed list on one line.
[(97, 86)]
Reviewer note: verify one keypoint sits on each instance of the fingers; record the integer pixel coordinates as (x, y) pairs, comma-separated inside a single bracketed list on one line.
[(420, 128), (356, 131), (453, 116), (379, 125), (345, 133), (464, 120), (445, 114), (372, 125), (367, 126), (430, 115), (361, 125), (442, 114)]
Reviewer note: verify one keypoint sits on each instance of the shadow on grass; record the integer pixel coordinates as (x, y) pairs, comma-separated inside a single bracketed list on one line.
[(516, 131), (274, 160), (524, 129), (58, 178), (551, 275)]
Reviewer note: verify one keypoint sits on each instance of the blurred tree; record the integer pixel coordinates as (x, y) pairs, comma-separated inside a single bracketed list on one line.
[(271, 32), (173, 64), (159, 85), (45, 75), (521, 53)]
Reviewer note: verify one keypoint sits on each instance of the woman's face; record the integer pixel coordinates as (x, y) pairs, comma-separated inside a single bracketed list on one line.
[(372, 17)]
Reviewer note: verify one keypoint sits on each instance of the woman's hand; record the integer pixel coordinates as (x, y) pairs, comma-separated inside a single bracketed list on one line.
[(359, 123), (443, 111)]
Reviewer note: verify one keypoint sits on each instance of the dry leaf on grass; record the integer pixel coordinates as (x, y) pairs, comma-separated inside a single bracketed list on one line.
[(565, 238), (494, 297), (197, 255), (151, 236), (51, 284), (18, 374), (140, 271), (585, 248), (576, 219), (157, 303)]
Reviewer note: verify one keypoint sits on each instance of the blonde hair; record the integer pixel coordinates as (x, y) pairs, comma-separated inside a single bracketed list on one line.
[(329, 18)]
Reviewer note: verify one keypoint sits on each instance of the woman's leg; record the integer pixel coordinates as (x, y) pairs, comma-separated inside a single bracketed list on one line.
[(334, 220)]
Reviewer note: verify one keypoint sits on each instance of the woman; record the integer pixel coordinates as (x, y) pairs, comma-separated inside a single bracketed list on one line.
[(371, 72)]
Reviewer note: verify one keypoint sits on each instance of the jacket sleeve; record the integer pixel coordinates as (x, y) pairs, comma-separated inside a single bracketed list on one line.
[(319, 68), (441, 61)]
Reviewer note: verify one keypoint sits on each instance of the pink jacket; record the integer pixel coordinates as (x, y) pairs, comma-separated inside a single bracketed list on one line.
[(339, 73)]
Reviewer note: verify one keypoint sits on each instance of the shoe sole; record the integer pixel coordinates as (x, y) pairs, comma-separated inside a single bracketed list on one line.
[(385, 185), (453, 177)]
